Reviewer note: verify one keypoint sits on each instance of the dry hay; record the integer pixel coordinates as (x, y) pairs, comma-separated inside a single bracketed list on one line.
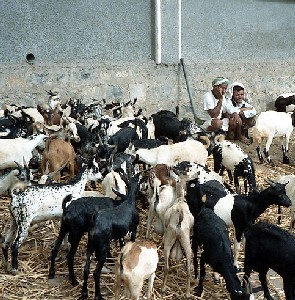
[(32, 281)]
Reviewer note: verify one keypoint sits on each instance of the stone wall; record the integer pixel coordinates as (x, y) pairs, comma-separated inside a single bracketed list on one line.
[(156, 86)]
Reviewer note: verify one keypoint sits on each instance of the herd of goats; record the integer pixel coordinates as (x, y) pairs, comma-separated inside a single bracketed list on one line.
[(166, 160)]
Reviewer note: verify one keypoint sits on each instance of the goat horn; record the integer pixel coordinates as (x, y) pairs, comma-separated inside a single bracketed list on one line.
[(269, 181), (18, 165)]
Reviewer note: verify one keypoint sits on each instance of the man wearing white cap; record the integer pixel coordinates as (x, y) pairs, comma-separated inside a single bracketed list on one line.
[(215, 114)]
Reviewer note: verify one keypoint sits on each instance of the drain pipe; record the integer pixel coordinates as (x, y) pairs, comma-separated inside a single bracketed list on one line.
[(158, 32)]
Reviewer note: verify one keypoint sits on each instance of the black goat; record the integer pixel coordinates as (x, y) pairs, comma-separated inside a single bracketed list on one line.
[(76, 220), (211, 233), (271, 247), (110, 224)]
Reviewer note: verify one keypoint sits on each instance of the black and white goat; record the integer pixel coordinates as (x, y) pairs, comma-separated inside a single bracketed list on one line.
[(285, 102), (38, 203), (230, 156), (271, 247), (76, 220), (237, 210), (211, 235), (110, 224), (271, 124)]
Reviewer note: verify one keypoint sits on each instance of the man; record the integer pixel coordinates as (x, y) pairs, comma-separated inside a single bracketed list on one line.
[(237, 103), (215, 114)]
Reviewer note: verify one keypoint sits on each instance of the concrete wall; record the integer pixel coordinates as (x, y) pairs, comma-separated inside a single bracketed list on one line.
[(105, 49)]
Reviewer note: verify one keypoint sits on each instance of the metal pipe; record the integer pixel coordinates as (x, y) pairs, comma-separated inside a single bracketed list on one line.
[(158, 32), (197, 120)]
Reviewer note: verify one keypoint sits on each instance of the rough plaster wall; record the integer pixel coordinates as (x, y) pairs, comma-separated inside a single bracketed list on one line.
[(63, 31), (238, 29)]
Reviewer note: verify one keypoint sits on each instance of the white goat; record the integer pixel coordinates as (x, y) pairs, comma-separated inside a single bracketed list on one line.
[(40, 203), (137, 262), (189, 150), (290, 191), (178, 224), (18, 150), (270, 124)]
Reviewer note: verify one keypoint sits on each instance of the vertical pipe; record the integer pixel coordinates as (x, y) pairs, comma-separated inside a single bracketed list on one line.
[(158, 32), (179, 30)]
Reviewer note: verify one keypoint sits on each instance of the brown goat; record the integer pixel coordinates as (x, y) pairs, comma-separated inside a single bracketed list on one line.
[(57, 155)]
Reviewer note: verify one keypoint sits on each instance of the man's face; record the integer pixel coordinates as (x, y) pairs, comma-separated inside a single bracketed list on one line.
[(221, 88), (238, 96)]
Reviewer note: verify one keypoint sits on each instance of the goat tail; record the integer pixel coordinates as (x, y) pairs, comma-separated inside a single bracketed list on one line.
[(206, 140), (67, 199), (180, 217)]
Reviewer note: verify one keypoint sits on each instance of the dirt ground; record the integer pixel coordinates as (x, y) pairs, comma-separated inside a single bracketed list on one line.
[(32, 281)]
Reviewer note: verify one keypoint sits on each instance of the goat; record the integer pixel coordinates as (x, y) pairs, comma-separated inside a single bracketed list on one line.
[(75, 221), (40, 203), (178, 224), (13, 179), (113, 181), (271, 247), (211, 234), (231, 157), (285, 102), (270, 124), (237, 210), (137, 261), (289, 180), (110, 224), (190, 150), (161, 196), (18, 150), (58, 153)]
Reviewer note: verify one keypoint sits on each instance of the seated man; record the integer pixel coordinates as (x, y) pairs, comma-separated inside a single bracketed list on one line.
[(215, 113), (237, 104)]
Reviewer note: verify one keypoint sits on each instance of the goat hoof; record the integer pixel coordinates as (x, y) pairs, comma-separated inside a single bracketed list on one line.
[(286, 160), (51, 275), (74, 283), (199, 292), (14, 271), (83, 296)]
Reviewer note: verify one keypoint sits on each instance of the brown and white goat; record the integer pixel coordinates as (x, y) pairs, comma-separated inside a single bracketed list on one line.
[(161, 196), (138, 261)]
